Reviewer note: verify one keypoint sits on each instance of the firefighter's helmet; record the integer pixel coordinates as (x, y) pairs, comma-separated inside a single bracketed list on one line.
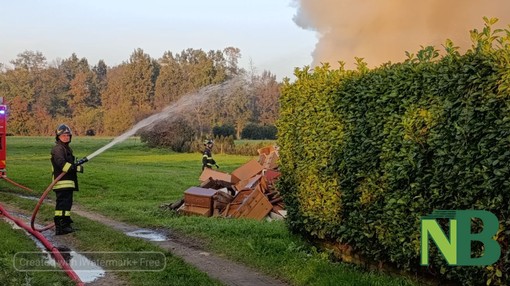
[(62, 129), (208, 141)]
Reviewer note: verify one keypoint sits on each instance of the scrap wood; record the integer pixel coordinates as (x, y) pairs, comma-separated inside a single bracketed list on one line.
[(194, 210), (246, 171), (215, 184), (173, 206), (266, 150), (255, 206), (277, 200), (238, 200), (275, 216), (271, 176), (273, 193), (218, 184), (247, 184), (221, 200), (271, 161), (208, 174), (263, 184), (268, 157), (248, 192)]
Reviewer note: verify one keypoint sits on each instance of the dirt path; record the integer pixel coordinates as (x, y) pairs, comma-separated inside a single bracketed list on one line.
[(226, 271), (67, 242), (187, 248)]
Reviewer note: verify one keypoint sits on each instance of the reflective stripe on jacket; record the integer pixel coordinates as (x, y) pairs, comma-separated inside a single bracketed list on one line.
[(62, 160), (207, 159)]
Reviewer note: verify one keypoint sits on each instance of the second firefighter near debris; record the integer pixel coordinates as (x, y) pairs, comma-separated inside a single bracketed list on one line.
[(207, 159)]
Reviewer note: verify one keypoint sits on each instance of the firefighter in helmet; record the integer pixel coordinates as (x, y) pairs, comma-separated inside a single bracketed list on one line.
[(207, 159), (62, 160)]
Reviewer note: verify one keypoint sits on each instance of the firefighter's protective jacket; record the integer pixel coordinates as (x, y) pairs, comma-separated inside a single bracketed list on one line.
[(207, 159), (62, 160)]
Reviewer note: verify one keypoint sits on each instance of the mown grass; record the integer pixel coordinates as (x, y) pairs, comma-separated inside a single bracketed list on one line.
[(96, 237), (13, 242), (130, 181)]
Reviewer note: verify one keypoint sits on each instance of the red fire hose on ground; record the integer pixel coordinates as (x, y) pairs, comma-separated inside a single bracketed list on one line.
[(32, 230), (4, 177), (56, 254), (37, 232), (39, 203)]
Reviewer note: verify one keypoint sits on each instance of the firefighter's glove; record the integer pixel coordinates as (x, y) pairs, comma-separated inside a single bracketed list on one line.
[(77, 168), (217, 167)]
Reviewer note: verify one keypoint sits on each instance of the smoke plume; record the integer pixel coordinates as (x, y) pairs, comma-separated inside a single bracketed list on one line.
[(383, 30)]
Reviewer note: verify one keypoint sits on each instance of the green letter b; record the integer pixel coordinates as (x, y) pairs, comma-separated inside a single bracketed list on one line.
[(492, 250)]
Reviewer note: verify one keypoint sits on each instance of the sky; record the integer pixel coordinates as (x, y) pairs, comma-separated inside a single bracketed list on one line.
[(111, 30), (273, 35)]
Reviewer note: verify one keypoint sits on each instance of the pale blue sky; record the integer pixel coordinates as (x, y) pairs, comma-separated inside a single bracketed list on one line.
[(112, 29)]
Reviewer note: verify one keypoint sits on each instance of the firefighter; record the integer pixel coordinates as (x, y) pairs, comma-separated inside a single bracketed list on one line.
[(62, 160), (207, 159)]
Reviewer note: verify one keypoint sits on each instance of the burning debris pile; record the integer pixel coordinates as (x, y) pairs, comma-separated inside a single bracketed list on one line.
[(248, 192)]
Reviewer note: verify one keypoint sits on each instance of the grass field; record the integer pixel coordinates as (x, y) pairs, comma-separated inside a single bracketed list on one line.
[(15, 241), (130, 181)]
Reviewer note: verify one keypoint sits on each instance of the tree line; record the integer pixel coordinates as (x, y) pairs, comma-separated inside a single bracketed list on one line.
[(107, 100)]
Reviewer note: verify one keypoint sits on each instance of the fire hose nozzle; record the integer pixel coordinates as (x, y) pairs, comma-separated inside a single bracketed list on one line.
[(81, 161)]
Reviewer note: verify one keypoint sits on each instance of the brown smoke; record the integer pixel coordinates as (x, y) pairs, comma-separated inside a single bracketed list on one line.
[(383, 30)]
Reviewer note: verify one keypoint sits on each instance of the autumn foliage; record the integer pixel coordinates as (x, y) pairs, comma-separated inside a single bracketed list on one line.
[(106, 100)]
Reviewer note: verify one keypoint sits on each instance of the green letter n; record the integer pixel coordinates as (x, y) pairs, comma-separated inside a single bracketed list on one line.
[(448, 247)]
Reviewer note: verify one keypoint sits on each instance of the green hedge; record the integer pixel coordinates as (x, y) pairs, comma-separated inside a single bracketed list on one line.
[(366, 153)]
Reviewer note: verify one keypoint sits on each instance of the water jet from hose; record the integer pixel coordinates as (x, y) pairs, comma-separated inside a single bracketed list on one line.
[(184, 104)]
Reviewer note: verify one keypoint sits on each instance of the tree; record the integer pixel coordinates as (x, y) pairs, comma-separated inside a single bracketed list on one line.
[(20, 122), (139, 79), (199, 116), (111, 99), (238, 107), (43, 124), (233, 55), (266, 92), (30, 61), (100, 71), (169, 85), (224, 130), (26, 89), (85, 101), (118, 113), (52, 93), (73, 65)]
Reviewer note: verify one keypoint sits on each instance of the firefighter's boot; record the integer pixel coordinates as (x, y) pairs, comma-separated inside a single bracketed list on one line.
[(60, 226), (68, 221)]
